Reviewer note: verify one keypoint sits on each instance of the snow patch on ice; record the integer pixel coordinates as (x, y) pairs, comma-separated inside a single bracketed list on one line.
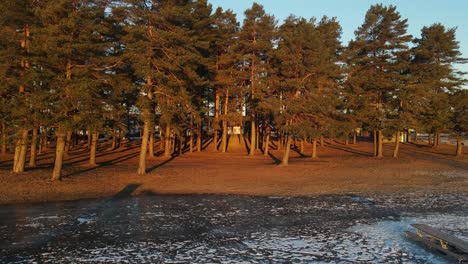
[(387, 239)]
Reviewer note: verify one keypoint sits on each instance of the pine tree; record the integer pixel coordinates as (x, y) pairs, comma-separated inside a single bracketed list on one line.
[(16, 22), (375, 65), (71, 47), (432, 68), (459, 117), (225, 28), (256, 39)]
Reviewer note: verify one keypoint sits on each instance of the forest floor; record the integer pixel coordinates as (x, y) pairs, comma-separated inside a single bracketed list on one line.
[(340, 169)]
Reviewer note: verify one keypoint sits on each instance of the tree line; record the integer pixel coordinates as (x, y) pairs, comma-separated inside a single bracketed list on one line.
[(87, 65)]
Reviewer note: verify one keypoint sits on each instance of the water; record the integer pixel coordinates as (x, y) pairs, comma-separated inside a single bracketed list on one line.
[(228, 229)]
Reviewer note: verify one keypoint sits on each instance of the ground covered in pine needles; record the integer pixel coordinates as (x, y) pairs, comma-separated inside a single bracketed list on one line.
[(340, 169)]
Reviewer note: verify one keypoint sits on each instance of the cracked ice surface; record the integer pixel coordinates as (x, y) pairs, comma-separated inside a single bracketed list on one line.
[(229, 229)]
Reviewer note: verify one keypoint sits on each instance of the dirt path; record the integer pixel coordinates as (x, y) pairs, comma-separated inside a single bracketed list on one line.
[(339, 169)]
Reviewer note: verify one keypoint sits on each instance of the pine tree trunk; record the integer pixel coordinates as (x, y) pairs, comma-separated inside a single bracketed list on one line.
[(280, 141), (375, 142), (459, 151), (415, 136), (114, 139), (180, 144), (257, 139), (224, 137), (59, 153), (68, 141), (44, 141), (92, 152), (346, 140), (151, 144), (33, 153), (252, 97), (20, 151), (253, 133), (435, 143), (88, 146), (354, 137), (4, 138), (40, 144), (191, 142), (17, 153), (301, 144), (224, 144), (380, 146), (216, 120), (322, 141), (144, 143), (167, 142), (199, 138), (73, 140), (285, 160), (397, 144), (314, 149), (429, 139), (267, 144)]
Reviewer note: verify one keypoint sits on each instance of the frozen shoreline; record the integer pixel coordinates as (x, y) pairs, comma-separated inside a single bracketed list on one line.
[(228, 229)]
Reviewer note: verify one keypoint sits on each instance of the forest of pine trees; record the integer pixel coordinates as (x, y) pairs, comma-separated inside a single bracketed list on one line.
[(74, 70)]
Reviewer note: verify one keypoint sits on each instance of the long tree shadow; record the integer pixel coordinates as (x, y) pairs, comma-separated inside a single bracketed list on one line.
[(150, 169), (79, 159), (301, 155), (435, 157), (127, 191), (350, 150), (206, 143), (276, 161), (102, 164)]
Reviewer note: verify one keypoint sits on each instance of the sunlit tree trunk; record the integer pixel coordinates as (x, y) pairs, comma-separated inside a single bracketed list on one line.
[(267, 144), (253, 130), (216, 120), (380, 144), (199, 137), (301, 146), (397, 144), (21, 143), (375, 142), (167, 142), (92, 152), (68, 141), (20, 151), (322, 141), (287, 147), (144, 143), (59, 153), (459, 151), (225, 123), (33, 151), (151, 144), (314, 149)]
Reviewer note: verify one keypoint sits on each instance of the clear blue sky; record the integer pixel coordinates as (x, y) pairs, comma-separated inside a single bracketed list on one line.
[(350, 13)]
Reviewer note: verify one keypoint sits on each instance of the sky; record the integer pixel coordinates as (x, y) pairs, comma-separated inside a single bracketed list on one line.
[(351, 13)]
